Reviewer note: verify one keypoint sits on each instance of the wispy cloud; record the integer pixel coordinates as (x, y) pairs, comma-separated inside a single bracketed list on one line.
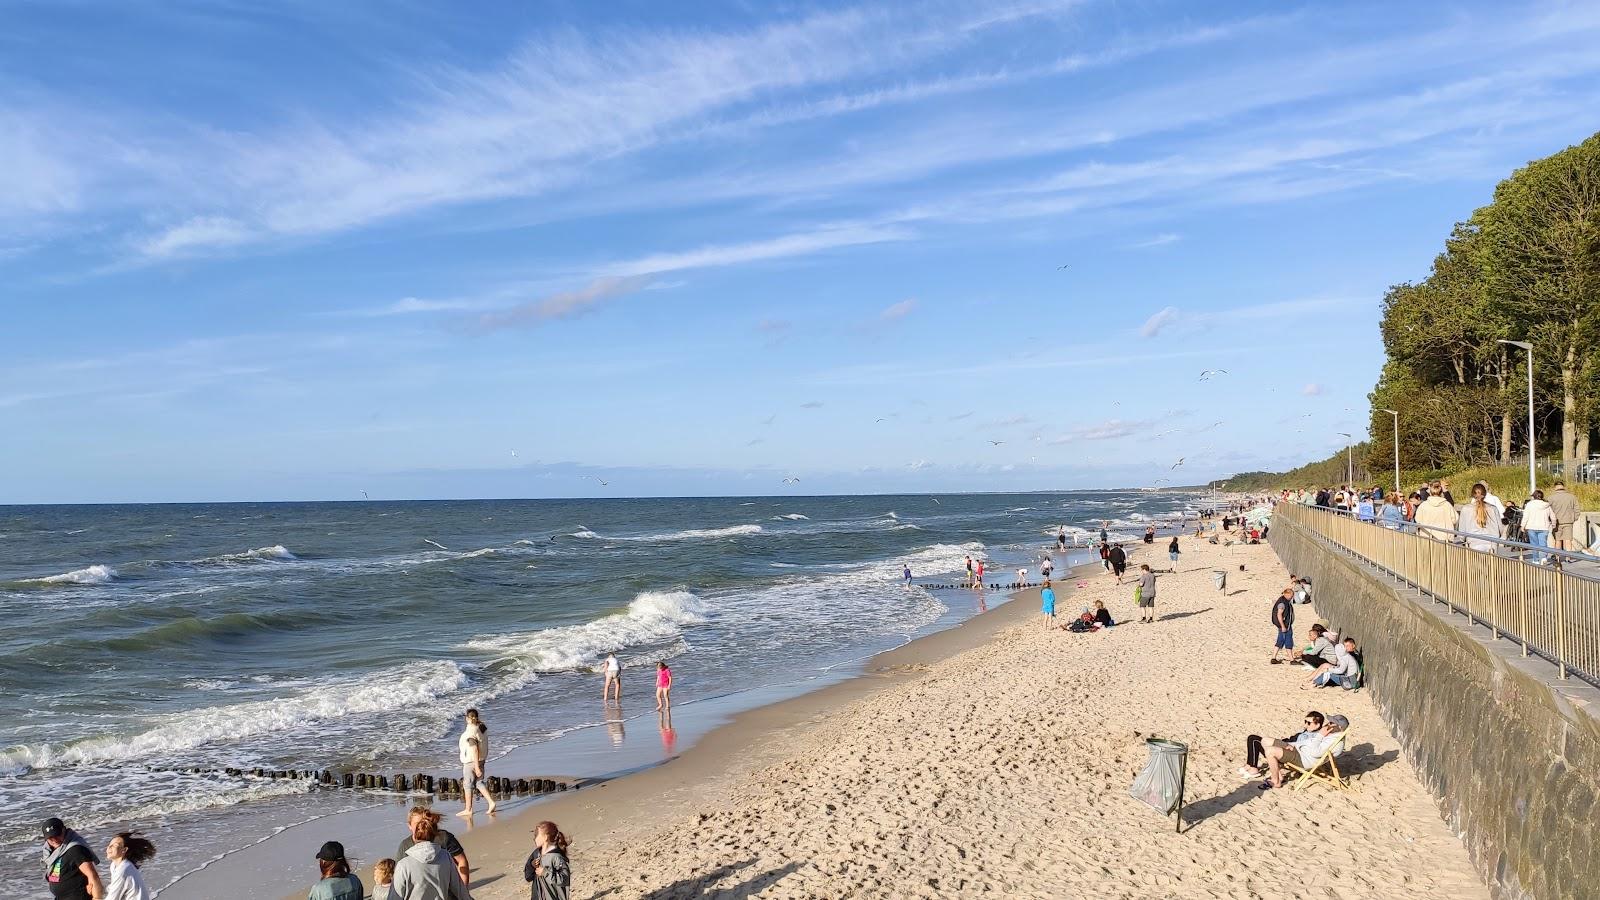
[(1159, 322), (563, 304), (811, 404), (897, 311), (1109, 430), (1160, 240), (1312, 390), (797, 244)]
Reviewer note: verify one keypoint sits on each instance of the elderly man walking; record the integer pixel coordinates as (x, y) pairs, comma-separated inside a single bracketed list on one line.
[(1565, 507)]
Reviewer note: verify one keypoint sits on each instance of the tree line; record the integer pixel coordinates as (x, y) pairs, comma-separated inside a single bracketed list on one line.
[(1526, 267)]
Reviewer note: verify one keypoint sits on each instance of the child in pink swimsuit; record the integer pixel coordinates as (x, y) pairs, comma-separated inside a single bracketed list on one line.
[(663, 686)]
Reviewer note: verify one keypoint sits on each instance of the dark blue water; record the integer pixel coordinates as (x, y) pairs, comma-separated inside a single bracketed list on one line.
[(144, 638)]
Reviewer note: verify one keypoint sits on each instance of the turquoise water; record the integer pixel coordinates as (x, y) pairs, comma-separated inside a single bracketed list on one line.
[(143, 639)]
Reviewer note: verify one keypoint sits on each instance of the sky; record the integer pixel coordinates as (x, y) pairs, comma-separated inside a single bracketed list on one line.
[(287, 250)]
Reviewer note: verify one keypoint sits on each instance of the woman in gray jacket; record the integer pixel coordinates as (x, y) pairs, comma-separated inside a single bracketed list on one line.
[(547, 869), (425, 871)]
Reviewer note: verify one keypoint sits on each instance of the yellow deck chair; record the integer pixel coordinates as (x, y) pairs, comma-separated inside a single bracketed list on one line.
[(1324, 769)]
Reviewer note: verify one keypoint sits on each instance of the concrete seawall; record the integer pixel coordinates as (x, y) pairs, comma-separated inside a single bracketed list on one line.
[(1511, 753)]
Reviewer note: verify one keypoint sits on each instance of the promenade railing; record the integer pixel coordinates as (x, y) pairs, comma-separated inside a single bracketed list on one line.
[(1551, 608)]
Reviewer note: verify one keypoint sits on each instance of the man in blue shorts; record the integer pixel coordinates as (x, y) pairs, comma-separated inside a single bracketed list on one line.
[(1283, 620)]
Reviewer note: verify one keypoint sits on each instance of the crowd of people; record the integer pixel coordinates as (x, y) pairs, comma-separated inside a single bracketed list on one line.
[(1481, 521)]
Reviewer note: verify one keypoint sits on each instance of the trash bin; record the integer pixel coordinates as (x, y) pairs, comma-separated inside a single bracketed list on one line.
[(1160, 784), (1219, 577)]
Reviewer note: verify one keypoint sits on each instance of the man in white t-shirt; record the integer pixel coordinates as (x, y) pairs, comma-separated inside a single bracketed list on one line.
[(474, 748), (1307, 748), (613, 671)]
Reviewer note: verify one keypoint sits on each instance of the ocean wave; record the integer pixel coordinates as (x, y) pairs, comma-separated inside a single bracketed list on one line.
[(192, 631), (793, 517), (276, 552), (906, 527), (88, 575), (687, 535), (652, 616), (473, 554), (398, 688)]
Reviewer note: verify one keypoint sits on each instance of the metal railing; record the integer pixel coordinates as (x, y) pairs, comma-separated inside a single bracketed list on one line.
[(1551, 610)]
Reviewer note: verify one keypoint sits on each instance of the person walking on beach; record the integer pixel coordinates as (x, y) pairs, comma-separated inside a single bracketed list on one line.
[(69, 864), (1119, 562), (980, 574), (446, 841), (474, 747), (1022, 576), (905, 574), (1150, 534), (547, 868), (425, 871), (1147, 595), (1283, 620), (1047, 604), (1172, 552), (1047, 568), (970, 581), (338, 882), (1103, 536), (613, 670), (127, 852), (663, 687), (1061, 538), (1105, 555)]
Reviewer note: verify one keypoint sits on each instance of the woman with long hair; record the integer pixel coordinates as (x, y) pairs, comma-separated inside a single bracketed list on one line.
[(547, 868), (338, 882), (127, 852), (1478, 521)]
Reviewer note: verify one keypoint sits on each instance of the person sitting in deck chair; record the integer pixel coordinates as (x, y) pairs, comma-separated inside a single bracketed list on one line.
[(1255, 748), (1304, 752)]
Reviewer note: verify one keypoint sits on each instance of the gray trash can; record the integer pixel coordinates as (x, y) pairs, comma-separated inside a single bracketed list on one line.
[(1219, 577), (1160, 784)]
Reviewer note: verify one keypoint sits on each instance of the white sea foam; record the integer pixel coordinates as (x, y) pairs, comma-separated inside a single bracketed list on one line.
[(694, 533), (653, 616), (276, 552), (88, 575), (402, 687), (477, 553), (793, 517)]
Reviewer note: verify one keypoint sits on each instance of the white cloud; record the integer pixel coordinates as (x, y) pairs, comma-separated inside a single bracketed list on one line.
[(563, 304), (1159, 322), (1111, 429), (919, 464), (1312, 390), (1160, 240), (896, 311), (197, 234), (798, 244)]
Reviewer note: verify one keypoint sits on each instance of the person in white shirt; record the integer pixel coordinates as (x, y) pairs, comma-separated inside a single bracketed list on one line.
[(474, 747), (1538, 520), (1346, 669), (1306, 749), (127, 852), (613, 670)]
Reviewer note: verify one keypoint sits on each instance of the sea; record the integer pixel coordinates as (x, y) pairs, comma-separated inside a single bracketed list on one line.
[(144, 642)]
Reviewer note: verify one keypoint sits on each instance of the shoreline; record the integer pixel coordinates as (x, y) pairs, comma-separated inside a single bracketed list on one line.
[(742, 739)]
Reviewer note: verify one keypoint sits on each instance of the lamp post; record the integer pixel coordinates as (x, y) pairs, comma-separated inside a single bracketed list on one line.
[(1532, 482), (1396, 449), (1349, 459)]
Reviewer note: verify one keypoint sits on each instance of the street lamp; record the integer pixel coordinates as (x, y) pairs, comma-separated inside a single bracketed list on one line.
[(1532, 484), (1349, 459), (1396, 449)]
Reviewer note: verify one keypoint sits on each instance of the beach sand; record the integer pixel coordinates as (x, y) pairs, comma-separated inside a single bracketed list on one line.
[(996, 758)]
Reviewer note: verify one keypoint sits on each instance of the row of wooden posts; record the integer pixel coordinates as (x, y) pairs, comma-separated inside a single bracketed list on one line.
[(402, 783)]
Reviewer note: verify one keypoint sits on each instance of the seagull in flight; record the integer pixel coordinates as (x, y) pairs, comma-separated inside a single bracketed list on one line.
[(1062, 266), (603, 482), (513, 452), (1179, 462), (768, 420), (791, 480), (1206, 375), (936, 501), (880, 420), (364, 496), (997, 443)]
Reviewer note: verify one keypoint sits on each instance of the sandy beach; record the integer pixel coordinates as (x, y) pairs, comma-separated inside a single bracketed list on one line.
[(996, 758)]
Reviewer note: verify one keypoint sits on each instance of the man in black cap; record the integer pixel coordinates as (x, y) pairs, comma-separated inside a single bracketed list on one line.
[(69, 864)]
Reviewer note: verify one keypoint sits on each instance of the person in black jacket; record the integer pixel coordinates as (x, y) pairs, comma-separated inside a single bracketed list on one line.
[(547, 868), (1119, 561)]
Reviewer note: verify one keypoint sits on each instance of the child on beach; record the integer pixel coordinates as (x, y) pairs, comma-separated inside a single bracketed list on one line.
[(547, 868), (1047, 604), (1022, 576), (382, 878), (127, 852), (663, 687), (613, 679)]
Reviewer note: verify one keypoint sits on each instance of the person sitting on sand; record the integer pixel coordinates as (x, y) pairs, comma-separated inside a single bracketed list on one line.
[(1322, 652), (1345, 671), (1083, 624), (1047, 604), (1102, 616)]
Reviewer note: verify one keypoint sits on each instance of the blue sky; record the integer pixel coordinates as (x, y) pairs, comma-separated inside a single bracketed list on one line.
[(294, 250)]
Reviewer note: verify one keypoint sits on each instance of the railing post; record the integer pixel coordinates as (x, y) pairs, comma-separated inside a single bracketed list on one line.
[(1561, 618), (1522, 605), (1467, 584)]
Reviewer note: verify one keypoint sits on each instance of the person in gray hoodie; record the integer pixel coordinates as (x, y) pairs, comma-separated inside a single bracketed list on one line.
[(546, 867), (425, 871)]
